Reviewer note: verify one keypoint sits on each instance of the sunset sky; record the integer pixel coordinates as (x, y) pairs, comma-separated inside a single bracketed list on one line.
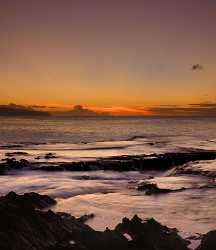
[(122, 57)]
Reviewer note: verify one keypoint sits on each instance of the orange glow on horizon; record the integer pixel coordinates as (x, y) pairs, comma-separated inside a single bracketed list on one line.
[(114, 110), (122, 111)]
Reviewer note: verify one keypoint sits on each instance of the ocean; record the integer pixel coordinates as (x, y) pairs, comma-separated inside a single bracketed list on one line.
[(107, 136), (111, 195)]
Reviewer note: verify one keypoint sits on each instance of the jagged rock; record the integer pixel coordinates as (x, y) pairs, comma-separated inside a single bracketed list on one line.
[(23, 226), (208, 242), (159, 162), (32, 200), (151, 235), (70, 245), (12, 164), (46, 156), (86, 217), (138, 163), (50, 156)]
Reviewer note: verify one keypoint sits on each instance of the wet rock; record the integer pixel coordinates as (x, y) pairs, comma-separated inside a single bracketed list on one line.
[(159, 162), (46, 156), (12, 163), (50, 156), (3, 170), (82, 166), (83, 177), (142, 162), (208, 242), (204, 168), (86, 217), (32, 200), (151, 235), (70, 245), (16, 153), (24, 226), (50, 167), (152, 188), (11, 146)]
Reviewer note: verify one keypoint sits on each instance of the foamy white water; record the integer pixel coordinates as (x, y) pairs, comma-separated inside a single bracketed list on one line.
[(112, 195)]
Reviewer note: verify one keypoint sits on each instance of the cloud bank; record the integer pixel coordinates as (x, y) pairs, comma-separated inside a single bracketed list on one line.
[(80, 111), (190, 110), (19, 110), (199, 109)]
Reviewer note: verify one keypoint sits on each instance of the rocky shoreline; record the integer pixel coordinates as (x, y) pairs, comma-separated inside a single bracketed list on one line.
[(28, 223), (158, 162)]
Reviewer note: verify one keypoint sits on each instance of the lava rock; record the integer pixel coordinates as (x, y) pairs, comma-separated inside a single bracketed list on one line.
[(151, 235), (25, 226), (13, 164), (152, 188), (156, 162), (32, 200), (208, 242), (16, 153), (86, 217), (50, 156)]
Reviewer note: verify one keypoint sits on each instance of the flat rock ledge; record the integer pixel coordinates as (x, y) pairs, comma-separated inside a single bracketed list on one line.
[(158, 162), (26, 225)]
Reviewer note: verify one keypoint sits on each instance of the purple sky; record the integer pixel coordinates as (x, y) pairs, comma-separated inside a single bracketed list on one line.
[(107, 53)]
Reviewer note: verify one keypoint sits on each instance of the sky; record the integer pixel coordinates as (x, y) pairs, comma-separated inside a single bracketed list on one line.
[(122, 57)]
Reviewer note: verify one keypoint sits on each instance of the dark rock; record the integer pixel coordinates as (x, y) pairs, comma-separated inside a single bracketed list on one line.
[(159, 162), (46, 156), (33, 200), (11, 146), (208, 242), (12, 163), (81, 166), (152, 188), (51, 168), (50, 156), (69, 245), (151, 235), (142, 162), (16, 153), (195, 168), (23, 226), (86, 217)]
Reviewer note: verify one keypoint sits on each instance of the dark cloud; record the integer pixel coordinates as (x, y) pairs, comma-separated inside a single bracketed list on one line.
[(205, 105), (197, 110), (79, 110), (38, 107), (42, 107), (197, 67), (168, 105), (19, 110)]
